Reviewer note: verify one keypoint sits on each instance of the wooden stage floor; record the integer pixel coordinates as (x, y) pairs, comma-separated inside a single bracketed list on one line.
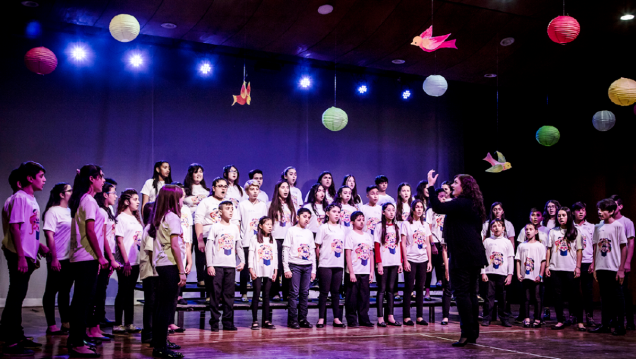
[(392, 343)]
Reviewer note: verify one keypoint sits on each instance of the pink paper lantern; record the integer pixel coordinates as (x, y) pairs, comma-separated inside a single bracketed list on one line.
[(563, 29), (40, 60)]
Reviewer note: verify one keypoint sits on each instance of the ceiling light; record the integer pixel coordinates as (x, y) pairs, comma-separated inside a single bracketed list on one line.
[(30, 4), (325, 9), (627, 17), (490, 75), (406, 94), (205, 68), (136, 60), (507, 41), (78, 53), (168, 25), (362, 89), (398, 61), (305, 82)]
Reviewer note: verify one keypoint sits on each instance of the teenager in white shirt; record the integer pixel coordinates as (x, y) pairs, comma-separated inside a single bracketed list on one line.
[(550, 214), (564, 255), (360, 267), (196, 191), (326, 180), (383, 183), (345, 200), (388, 257), (372, 211), (421, 193), (536, 217), (161, 174), (235, 192), (330, 256), (299, 263), (629, 233), (610, 254), (251, 211), (532, 254), (222, 250), (316, 204), (416, 249), (167, 258), (59, 279), (257, 175), (586, 229), (281, 211), (497, 212), (350, 182), (263, 258), (405, 197), (290, 175), (498, 273)]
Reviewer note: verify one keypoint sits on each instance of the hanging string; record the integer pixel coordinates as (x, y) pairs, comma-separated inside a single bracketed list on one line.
[(497, 84), (335, 58), (563, 7), (434, 53)]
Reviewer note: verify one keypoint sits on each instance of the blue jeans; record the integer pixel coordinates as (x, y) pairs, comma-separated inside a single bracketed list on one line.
[(299, 292)]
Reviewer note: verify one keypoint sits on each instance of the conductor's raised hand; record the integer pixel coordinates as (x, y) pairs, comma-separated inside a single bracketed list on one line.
[(432, 179)]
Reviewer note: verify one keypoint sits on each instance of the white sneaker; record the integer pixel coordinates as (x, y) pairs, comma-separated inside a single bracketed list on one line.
[(244, 298), (119, 329), (133, 329)]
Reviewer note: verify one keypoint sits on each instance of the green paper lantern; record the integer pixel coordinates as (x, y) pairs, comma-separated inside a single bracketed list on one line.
[(335, 119), (548, 136)]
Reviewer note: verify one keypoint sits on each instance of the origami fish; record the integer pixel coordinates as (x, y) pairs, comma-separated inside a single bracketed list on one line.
[(499, 165), (244, 97), (428, 43)]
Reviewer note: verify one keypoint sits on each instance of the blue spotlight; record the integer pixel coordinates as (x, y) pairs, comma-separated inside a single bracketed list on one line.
[(136, 60), (305, 82), (406, 94), (362, 89), (205, 68), (78, 53)]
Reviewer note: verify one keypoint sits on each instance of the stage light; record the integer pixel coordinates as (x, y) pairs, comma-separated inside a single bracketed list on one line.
[(205, 68), (305, 82), (406, 94), (78, 53), (136, 60), (362, 89), (627, 17)]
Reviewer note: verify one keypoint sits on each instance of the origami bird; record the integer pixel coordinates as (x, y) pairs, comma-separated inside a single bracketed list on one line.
[(499, 165), (428, 43), (244, 97)]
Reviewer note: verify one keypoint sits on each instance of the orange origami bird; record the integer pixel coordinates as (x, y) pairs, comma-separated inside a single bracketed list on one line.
[(244, 97), (428, 43)]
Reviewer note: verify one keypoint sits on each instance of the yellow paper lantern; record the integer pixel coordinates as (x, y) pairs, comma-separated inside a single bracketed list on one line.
[(623, 92), (335, 119), (124, 27)]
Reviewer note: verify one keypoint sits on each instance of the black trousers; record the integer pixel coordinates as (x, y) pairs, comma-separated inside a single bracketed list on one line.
[(565, 286), (386, 286), (199, 258), (125, 300), (587, 286), (447, 295), (629, 306), (221, 289), (58, 283), (464, 280), (264, 284), (244, 275), (437, 261), (330, 281), (532, 293), (612, 300), (495, 290), (99, 299), (150, 293), (276, 286), (85, 276), (414, 279), (357, 300), (11, 322), (165, 302)]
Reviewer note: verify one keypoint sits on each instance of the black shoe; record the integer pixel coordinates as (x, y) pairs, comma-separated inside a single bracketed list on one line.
[(409, 323), (255, 326), (485, 323), (382, 325), (214, 329), (461, 342), (269, 326), (106, 323), (305, 324), (101, 339), (506, 323), (556, 327), (59, 332), (146, 340), (17, 350), (172, 346), (29, 344), (354, 325), (590, 322), (600, 329), (422, 322), (536, 325), (394, 324), (341, 325), (293, 325), (369, 325), (166, 353), (320, 325), (619, 331), (444, 322), (230, 328)]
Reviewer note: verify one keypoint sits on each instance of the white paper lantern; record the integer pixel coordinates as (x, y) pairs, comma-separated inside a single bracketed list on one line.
[(435, 85), (604, 120), (124, 27)]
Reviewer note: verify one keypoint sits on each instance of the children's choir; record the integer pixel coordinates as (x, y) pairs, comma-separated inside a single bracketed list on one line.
[(281, 246)]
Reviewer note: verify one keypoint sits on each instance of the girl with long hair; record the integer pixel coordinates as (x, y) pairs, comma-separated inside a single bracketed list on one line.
[(531, 254), (344, 198), (59, 278), (421, 193), (128, 232), (550, 211), (497, 212), (350, 182), (196, 191), (263, 265), (235, 192), (359, 257), (388, 256), (316, 204), (282, 212), (326, 180), (161, 174), (404, 198), (290, 175)]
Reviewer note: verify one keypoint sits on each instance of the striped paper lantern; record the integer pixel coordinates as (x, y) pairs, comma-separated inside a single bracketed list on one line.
[(124, 27), (335, 119), (548, 136), (623, 92), (603, 120), (435, 85), (40, 60), (563, 29)]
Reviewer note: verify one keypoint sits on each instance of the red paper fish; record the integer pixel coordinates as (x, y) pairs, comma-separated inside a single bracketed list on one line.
[(428, 43), (244, 97)]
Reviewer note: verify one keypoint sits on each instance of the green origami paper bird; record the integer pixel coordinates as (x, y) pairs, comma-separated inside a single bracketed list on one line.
[(499, 165)]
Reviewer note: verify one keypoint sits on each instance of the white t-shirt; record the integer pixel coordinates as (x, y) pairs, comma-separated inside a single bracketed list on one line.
[(436, 222), (208, 213), (608, 238), (587, 234), (316, 219), (500, 256), (281, 225), (129, 228), (417, 234), (345, 216), (220, 249), (385, 198), (550, 224), (250, 213), (6, 208), (101, 229), (198, 194), (163, 256), (110, 235), (58, 220), (24, 209), (629, 226), (186, 225), (81, 249), (508, 232), (146, 268), (361, 246), (299, 248), (531, 255), (263, 197), (562, 252), (297, 197), (331, 237), (543, 235), (263, 257), (372, 217), (150, 191), (234, 195), (391, 251)]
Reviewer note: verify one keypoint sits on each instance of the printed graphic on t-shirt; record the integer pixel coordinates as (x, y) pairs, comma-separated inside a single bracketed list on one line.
[(254, 225), (418, 239), (563, 246), (345, 216), (294, 201), (605, 246), (185, 225), (390, 243), (337, 247), (371, 223), (35, 223), (363, 253), (303, 251), (285, 219), (265, 254), (529, 265), (235, 202), (215, 214), (439, 221), (226, 242), (137, 240), (496, 259)]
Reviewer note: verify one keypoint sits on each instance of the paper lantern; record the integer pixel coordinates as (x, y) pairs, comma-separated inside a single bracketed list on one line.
[(40, 60), (435, 85), (124, 27), (548, 136), (563, 29), (335, 119), (603, 120), (623, 92)]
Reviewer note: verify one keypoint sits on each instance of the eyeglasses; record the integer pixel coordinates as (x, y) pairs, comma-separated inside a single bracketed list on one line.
[(109, 193), (68, 190), (233, 171), (221, 186), (551, 206)]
